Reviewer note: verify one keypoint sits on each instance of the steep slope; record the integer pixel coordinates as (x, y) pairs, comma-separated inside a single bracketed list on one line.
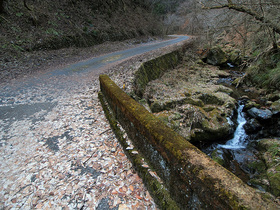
[(34, 25)]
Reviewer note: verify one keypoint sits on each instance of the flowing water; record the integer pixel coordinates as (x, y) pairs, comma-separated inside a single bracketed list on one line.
[(234, 153), (239, 139)]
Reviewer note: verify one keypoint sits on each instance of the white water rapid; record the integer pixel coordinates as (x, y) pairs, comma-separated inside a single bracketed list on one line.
[(238, 141)]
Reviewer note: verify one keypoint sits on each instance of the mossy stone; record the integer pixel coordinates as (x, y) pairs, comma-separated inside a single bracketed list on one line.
[(217, 156), (274, 179), (270, 153), (276, 106), (251, 104), (216, 56), (235, 57), (193, 101), (209, 98), (156, 107)]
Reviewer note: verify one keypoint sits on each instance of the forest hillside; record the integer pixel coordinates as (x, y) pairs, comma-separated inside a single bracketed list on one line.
[(28, 25), (249, 30)]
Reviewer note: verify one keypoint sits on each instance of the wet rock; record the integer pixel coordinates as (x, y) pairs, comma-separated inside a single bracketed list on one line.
[(261, 114), (215, 56), (252, 125), (236, 161)]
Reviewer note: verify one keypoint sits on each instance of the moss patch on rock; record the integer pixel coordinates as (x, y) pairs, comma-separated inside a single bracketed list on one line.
[(269, 168), (193, 91)]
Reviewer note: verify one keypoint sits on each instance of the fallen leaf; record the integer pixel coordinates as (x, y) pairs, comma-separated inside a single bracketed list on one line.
[(123, 207), (135, 206), (138, 197), (114, 192), (145, 166)]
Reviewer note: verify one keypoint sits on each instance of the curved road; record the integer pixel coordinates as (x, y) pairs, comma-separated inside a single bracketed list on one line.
[(57, 149)]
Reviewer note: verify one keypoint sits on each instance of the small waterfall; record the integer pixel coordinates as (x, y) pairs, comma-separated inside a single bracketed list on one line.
[(238, 141)]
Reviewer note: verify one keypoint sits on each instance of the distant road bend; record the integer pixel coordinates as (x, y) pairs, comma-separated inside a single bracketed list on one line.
[(57, 149), (98, 62)]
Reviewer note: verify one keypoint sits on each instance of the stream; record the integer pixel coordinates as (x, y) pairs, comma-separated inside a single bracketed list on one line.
[(239, 139), (234, 154), (237, 153), (241, 153)]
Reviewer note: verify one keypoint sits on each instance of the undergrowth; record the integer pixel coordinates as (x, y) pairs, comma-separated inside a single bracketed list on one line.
[(265, 72)]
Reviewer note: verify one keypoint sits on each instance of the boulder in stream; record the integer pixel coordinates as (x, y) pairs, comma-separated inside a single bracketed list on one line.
[(193, 92), (263, 123), (260, 114), (252, 126), (215, 56)]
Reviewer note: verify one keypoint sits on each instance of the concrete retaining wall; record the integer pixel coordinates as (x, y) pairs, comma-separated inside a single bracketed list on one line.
[(154, 68), (192, 178)]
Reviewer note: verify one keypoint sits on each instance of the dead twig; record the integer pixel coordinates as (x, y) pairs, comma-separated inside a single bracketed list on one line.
[(84, 163), (104, 131)]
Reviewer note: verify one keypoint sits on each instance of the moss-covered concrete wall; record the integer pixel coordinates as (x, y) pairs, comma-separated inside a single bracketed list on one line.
[(160, 193), (192, 178), (154, 68)]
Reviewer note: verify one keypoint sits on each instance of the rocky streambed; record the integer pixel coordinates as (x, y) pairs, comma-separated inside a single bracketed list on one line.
[(200, 102)]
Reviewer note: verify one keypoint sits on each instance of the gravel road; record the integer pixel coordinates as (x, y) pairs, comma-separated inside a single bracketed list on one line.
[(57, 149)]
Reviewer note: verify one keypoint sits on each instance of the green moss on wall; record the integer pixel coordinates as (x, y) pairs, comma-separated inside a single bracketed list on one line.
[(153, 69), (157, 189)]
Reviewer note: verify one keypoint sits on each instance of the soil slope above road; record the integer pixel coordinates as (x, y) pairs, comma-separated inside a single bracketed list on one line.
[(57, 149)]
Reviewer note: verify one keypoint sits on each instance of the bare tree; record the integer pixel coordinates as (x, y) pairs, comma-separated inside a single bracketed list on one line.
[(256, 9)]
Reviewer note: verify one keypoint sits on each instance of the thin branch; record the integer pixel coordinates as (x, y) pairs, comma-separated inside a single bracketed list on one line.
[(104, 131), (250, 12), (25, 5)]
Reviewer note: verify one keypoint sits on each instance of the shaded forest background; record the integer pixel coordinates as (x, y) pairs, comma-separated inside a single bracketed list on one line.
[(252, 26), (32, 24)]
